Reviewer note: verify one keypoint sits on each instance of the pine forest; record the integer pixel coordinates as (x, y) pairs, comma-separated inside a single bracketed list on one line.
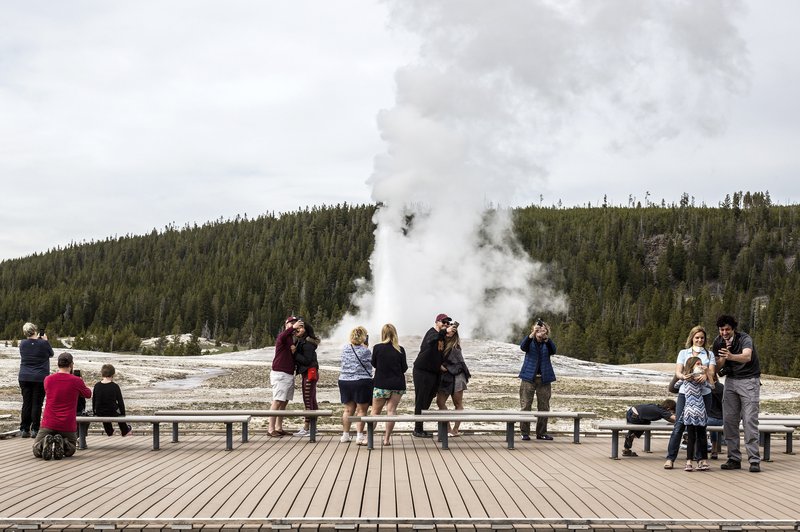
[(636, 278)]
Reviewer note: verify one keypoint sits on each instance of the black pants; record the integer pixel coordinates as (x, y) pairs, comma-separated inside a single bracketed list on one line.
[(696, 447), (426, 385), (32, 399)]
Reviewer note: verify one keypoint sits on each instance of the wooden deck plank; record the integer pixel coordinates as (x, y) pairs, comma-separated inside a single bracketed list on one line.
[(346, 454), (476, 477)]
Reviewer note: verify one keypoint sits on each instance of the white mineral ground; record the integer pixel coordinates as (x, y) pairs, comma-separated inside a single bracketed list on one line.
[(241, 380)]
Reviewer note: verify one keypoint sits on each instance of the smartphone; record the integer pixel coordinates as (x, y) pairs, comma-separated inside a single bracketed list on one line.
[(76, 372)]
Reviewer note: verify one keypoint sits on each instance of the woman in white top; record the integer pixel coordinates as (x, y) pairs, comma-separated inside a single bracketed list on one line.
[(355, 382), (695, 346)]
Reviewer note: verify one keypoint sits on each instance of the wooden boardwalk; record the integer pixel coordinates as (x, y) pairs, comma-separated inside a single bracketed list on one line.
[(477, 482)]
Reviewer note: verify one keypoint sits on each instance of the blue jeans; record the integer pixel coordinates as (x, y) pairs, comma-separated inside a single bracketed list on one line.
[(714, 422), (677, 431)]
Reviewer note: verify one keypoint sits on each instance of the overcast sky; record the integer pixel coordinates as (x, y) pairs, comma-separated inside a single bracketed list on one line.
[(120, 117)]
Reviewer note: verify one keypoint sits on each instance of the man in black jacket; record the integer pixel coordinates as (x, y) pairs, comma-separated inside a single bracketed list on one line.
[(428, 370)]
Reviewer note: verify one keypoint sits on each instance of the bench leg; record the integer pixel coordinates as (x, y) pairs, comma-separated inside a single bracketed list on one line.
[(648, 436), (766, 436), (615, 444), (370, 435), (576, 430), (510, 435), (245, 435), (228, 436), (174, 433), (83, 429), (312, 427), (156, 437), (443, 434), (789, 443)]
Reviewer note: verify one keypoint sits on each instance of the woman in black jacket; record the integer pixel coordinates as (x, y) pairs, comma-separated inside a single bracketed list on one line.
[(454, 377), (34, 365), (306, 365), (389, 361)]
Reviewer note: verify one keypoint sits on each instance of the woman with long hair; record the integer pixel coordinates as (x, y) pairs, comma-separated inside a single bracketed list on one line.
[(389, 361), (695, 347), (455, 376), (305, 357), (355, 383)]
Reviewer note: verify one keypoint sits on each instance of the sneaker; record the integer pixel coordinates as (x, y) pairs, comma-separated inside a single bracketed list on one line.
[(58, 447), (24, 434), (526, 437), (128, 431), (731, 464), (628, 452), (47, 448), (544, 437), (422, 434), (361, 438), (345, 438), (755, 467), (34, 433), (302, 433)]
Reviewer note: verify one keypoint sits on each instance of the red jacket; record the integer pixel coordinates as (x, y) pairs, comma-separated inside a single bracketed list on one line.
[(61, 392)]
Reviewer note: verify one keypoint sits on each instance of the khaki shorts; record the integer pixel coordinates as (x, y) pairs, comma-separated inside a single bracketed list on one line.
[(282, 386)]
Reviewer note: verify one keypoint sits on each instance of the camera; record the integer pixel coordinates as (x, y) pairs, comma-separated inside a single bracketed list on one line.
[(76, 372), (540, 322), (41, 333)]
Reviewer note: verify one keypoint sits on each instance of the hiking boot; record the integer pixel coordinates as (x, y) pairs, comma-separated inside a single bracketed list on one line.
[(755, 467), (58, 447), (731, 464), (47, 448)]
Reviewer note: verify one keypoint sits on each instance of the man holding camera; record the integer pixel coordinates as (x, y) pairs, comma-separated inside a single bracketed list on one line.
[(535, 377), (738, 362), (427, 371), (58, 436)]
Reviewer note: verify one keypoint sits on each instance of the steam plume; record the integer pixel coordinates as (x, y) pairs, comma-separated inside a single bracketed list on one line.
[(497, 90)]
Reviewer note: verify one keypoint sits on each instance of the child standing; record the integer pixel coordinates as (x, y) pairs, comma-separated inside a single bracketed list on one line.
[(644, 415), (694, 416), (107, 400)]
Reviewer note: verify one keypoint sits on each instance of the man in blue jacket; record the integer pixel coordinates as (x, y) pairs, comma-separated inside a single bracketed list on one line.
[(535, 377)]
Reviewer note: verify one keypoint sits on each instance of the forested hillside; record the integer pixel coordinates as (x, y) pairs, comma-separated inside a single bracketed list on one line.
[(637, 278), (237, 279)]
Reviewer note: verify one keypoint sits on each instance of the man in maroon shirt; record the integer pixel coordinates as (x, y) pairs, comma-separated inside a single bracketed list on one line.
[(58, 435), (281, 377)]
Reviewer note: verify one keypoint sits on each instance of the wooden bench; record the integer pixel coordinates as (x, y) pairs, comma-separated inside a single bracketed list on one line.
[(765, 430), (84, 421), (575, 416), (442, 418), (311, 414)]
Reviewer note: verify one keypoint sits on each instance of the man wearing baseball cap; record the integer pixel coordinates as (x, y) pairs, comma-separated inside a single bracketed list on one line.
[(58, 435), (428, 369), (281, 378)]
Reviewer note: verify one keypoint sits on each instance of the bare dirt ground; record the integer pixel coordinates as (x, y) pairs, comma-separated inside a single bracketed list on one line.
[(241, 380)]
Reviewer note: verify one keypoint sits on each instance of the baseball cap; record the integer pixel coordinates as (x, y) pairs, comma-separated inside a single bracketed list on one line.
[(291, 319), (442, 317)]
